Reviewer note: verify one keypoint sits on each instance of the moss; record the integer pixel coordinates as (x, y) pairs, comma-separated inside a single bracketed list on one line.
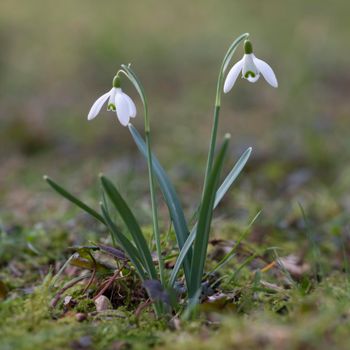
[(28, 323), (85, 306)]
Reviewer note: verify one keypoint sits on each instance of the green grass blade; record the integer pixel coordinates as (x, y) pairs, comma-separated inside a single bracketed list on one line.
[(232, 252), (125, 244), (232, 176), (131, 223), (232, 278), (73, 199), (315, 249), (171, 198), (204, 222)]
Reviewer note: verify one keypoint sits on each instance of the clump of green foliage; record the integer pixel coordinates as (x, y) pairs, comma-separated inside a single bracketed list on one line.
[(192, 244)]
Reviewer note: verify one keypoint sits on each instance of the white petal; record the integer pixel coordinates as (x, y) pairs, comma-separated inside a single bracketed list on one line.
[(266, 71), (122, 105), (249, 67), (111, 101), (232, 76), (96, 107), (132, 107)]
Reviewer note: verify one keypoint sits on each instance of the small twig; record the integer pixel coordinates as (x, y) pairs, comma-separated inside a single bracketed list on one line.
[(90, 280), (70, 284), (141, 307), (110, 281), (93, 273), (268, 267)]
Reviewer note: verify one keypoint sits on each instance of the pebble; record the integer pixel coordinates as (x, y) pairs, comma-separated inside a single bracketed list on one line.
[(102, 303)]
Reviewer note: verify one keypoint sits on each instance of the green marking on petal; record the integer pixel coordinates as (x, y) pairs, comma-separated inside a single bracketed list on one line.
[(249, 74), (111, 107)]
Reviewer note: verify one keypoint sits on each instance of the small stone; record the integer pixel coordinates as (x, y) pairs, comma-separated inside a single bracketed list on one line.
[(120, 345), (175, 324), (82, 343), (80, 317), (69, 302), (102, 303)]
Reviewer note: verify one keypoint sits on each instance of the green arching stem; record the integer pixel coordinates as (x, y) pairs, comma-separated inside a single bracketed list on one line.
[(217, 107), (126, 71)]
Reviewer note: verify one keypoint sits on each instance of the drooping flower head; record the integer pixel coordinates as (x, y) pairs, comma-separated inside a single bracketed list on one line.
[(118, 102), (251, 68)]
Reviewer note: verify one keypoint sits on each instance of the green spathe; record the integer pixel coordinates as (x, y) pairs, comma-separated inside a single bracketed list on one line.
[(248, 47), (116, 82)]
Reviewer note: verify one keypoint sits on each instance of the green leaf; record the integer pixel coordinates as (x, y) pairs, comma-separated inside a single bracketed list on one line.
[(126, 245), (231, 177), (132, 225), (183, 253), (171, 199), (204, 222), (190, 309), (73, 199), (89, 265)]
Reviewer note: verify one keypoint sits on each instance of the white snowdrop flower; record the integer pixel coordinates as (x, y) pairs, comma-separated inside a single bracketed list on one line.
[(118, 102), (251, 68)]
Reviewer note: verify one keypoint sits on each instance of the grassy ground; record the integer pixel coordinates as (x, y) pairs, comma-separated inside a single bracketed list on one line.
[(55, 60)]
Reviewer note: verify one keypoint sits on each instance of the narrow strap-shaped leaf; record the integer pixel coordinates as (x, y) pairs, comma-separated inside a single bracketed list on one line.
[(171, 198), (131, 223), (191, 305), (124, 242), (119, 237), (231, 177), (229, 180), (73, 199), (204, 222), (183, 252)]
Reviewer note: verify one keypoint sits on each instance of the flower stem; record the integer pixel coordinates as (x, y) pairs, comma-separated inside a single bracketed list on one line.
[(212, 145), (219, 87), (129, 73), (154, 206), (158, 307)]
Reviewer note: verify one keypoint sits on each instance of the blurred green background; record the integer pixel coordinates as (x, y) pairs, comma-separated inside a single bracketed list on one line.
[(56, 58)]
